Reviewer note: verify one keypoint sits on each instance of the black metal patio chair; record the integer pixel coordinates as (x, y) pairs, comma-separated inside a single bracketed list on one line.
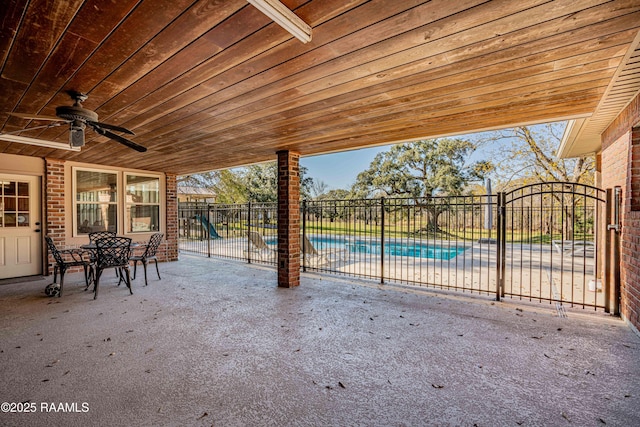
[(95, 235), (112, 252), (149, 254), (65, 259)]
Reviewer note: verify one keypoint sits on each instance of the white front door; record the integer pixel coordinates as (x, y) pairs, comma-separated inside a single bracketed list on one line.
[(20, 226)]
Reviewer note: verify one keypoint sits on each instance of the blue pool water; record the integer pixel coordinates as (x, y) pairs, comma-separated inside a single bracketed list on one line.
[(405, 249), (415, 250)]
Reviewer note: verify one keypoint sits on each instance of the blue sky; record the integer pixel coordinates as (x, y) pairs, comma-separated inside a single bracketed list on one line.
[(339, 170)]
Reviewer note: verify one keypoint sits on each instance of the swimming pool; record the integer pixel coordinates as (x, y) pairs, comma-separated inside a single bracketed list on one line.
[(413, 250), (393, 248)]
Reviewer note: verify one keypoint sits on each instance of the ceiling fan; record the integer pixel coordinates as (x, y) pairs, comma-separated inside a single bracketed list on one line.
[(79, 118)]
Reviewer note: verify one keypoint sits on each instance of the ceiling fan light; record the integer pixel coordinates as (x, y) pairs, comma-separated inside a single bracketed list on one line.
[(76, 137), (76, 133), (282, 16)]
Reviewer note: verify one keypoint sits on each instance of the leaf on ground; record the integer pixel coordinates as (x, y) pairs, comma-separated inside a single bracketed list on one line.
[(566, 417), (203, 415), (537, 338), (602, 421), (341, 385), (437, 386)]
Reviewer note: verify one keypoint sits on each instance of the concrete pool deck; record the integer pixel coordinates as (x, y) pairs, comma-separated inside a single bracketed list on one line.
[(532, 271), (217, 343)]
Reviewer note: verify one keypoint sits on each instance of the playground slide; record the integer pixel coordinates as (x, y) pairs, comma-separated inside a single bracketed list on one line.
[(212, 230)]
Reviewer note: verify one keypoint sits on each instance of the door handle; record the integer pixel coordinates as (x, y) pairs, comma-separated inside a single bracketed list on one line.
[(37, 230)]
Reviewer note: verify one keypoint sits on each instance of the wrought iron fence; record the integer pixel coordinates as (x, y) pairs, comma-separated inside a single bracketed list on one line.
[(539, 242), (446, 242), (238, 231), (551, 233)]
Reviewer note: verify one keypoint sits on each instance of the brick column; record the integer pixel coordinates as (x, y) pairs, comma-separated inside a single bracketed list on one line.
[(54, 222), (288, 219), (172, 218)]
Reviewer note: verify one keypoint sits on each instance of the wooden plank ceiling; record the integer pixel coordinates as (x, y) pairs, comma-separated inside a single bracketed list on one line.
[(215, 84)]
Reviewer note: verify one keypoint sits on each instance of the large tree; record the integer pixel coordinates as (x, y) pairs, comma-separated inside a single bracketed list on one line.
[(528, 154), (423, 170), (255, 183), (229, 188), (261, 182)]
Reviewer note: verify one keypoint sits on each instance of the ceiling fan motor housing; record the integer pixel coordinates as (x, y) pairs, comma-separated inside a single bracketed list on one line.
[(76, 113)]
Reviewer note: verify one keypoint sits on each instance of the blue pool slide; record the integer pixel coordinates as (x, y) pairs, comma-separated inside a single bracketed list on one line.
[(212, 230)]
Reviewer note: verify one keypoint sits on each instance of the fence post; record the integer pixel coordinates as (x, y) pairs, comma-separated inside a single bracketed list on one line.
[(304, 234), (501, 245), (382, 240), (248, 231), (209, 231), (615, 251)]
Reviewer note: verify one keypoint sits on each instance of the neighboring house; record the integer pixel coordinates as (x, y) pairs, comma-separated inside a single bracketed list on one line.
[(208, 88), (195, 194)]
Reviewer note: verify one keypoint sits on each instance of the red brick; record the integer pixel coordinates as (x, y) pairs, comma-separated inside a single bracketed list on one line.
[(620, 166)]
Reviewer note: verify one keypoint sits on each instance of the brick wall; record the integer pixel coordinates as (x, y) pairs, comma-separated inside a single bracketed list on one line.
[(630, 246), (171, 243), (288, 219), (56, 214), (55, 206), (621, 167)]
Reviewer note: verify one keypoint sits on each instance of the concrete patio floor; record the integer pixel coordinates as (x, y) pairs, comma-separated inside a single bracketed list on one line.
[(216, 343)]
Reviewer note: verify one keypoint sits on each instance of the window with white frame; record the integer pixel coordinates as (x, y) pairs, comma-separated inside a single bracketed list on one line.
[(119, 201), (142, 203), (96, 201)]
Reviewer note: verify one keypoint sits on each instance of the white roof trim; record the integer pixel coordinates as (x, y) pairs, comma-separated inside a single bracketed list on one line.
[(583, 136)]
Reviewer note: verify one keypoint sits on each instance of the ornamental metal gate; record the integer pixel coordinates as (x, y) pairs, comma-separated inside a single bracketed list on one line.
[(556, 243)]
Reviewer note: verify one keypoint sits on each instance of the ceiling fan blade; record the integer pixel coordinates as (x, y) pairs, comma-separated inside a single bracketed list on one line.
[(112, 127), (122, 140), (37, 117)]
